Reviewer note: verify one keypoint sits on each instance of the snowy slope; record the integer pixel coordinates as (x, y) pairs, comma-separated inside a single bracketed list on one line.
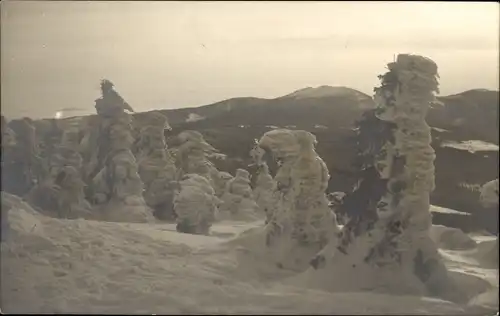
[(77, 266)]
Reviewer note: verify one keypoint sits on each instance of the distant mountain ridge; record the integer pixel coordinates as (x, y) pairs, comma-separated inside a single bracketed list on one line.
[(475, 104), (323, 96)]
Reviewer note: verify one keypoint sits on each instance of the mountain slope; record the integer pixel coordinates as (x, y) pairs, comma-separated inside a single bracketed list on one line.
[(472, 114)]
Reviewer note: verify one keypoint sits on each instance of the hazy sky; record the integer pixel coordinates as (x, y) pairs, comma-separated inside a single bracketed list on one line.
[(179, 54)]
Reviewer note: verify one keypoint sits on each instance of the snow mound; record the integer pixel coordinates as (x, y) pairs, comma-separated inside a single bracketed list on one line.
[(489, 194), (488, 299), (451, 238), (487, 253), (470, 284)]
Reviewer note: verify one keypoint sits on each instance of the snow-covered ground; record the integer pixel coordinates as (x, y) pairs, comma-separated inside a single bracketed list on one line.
[(472, 146), (440, 130), (272, 126), (439, 209), (78, 266), (193, 117)]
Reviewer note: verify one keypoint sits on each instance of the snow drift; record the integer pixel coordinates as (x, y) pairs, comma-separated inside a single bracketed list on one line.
[(53, 265)]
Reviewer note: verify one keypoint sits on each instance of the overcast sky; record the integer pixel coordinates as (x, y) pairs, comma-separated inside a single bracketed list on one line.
[(179, 54)]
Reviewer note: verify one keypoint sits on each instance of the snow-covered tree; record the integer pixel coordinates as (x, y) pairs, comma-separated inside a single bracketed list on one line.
[(386, 244)]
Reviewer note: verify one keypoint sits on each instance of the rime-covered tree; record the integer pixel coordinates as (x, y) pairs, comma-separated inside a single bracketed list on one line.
[(116, 187), (385, 245)]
